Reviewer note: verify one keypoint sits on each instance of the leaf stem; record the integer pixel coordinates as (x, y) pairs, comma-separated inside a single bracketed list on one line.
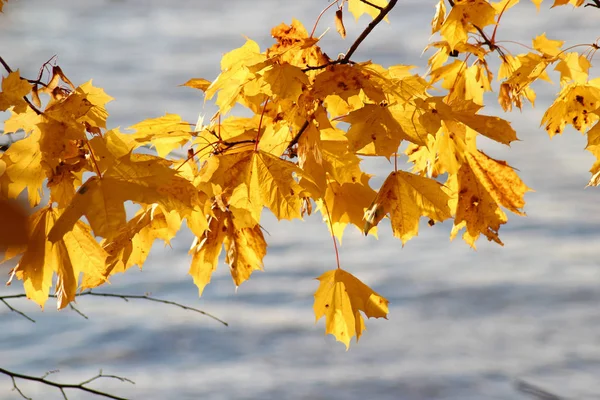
[(321, 14), (337, 253)]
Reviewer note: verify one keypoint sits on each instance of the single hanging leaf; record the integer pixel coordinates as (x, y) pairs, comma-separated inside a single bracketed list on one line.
[(339, 23), (340, 298), (407, 197)]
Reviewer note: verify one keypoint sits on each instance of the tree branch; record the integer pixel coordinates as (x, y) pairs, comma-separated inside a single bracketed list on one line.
[(382, 14), (372, 5), (65, 386), (346, 59), (125, 297), (535, 391)]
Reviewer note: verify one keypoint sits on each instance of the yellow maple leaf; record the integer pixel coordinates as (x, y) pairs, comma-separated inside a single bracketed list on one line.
[(573, 68), (340, 298), (407, 197), (254, 179), (546, 46), (132, 243), (347, 80), (86, 104), (463, 17), (375, 130), (165, 133), (439, 17), (13, 90), (235, 74), (295, 47), (284, 81), (245, 248), (198, 83), (143, 179), (206, 251), (483, 185), (24, 169), (346, 204), (75, 253), (574, 105)]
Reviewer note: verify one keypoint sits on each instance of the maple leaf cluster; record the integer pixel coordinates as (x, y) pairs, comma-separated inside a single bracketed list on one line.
[(313, 120)]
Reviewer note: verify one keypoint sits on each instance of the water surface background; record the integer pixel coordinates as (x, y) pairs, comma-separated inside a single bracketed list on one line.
[(462, 324)]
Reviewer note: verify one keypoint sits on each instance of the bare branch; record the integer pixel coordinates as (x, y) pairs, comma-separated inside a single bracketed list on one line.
[(125, 297), (382, 14), (535, 391), (146, 297), (65, 386), (22, 314), (346, 59)]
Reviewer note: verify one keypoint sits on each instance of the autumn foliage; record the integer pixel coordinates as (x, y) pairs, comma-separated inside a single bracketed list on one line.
[(312, 120)]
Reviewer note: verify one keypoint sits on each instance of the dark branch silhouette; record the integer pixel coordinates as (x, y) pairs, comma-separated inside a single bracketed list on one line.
[(63, 387), (125, 297)]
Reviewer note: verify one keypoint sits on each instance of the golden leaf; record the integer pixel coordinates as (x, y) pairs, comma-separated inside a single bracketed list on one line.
[(13, 90), (574, 105), (483, 185), (77, 252), (340, 298), (198, 83), (407, 197)]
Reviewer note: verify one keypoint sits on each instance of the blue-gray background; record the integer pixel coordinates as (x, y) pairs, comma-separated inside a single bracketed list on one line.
[(462, 324)]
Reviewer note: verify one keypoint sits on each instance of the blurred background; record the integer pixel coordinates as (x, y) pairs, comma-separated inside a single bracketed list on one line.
[(463, 324)]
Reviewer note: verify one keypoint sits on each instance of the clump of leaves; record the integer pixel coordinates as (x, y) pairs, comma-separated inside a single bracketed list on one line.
[(313, 120)]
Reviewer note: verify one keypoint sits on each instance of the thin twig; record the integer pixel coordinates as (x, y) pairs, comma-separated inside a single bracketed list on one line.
[(77, 311), (125, 297), (372, 5), (22, 314), (535, 391), (65, 386)]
